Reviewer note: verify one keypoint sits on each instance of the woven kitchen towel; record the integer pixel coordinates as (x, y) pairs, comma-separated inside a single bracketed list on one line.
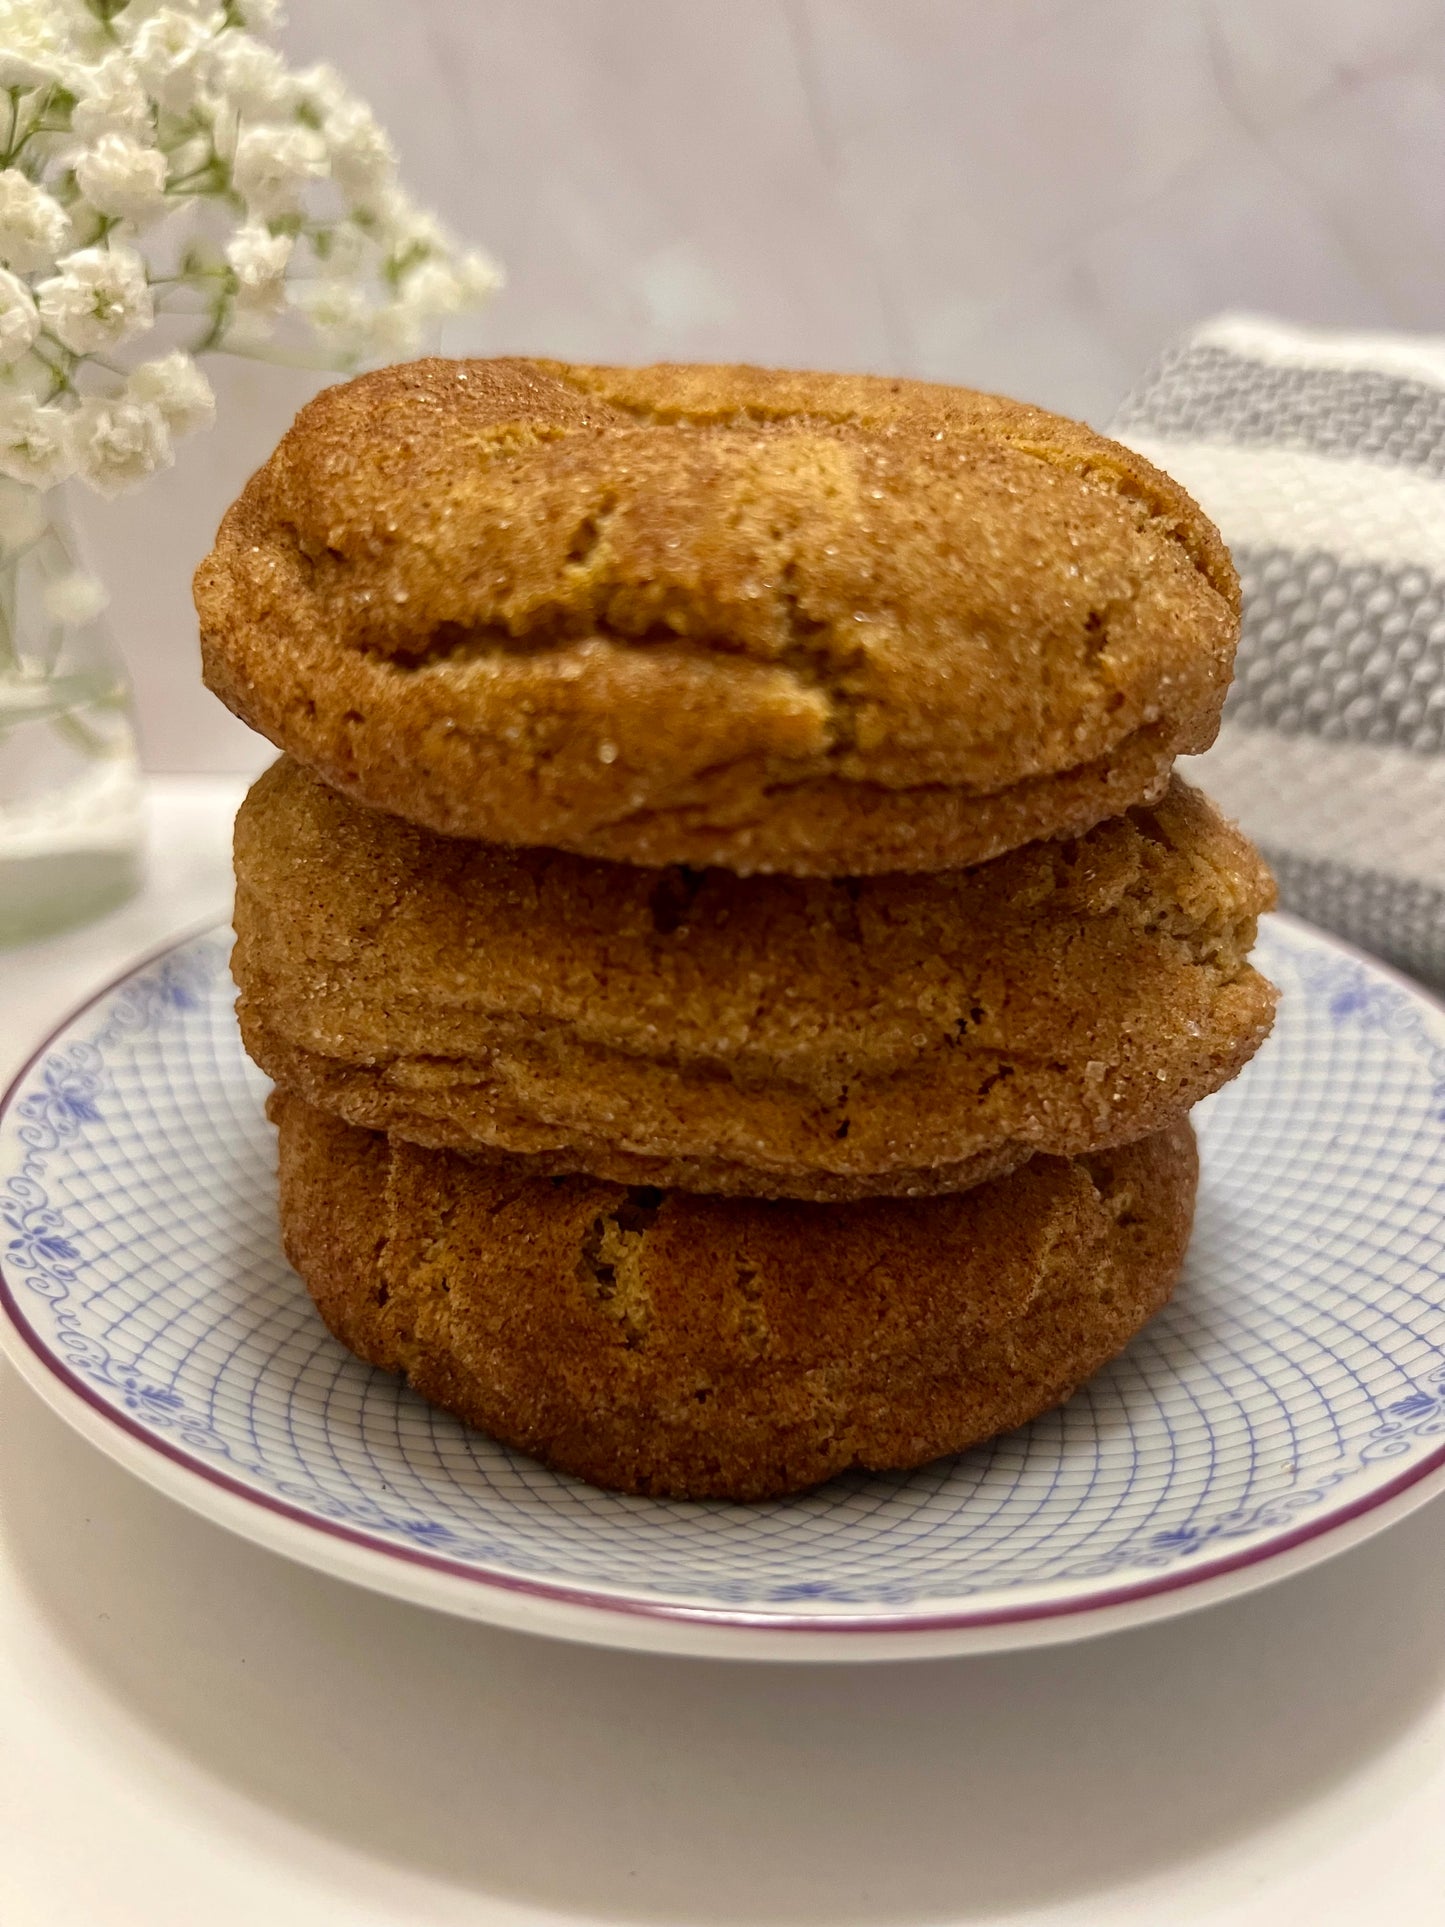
[(1322, 458)]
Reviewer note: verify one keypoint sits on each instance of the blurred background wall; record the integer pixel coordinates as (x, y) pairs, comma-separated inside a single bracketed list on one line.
[(1030, 195)]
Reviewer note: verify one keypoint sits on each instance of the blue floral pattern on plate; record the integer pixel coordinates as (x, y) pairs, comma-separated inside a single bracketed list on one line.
[(1300, 1368)]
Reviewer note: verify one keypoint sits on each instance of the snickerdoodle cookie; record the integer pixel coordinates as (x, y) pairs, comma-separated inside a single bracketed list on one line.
[(814, 624), (726, 1348), (763, 1036)]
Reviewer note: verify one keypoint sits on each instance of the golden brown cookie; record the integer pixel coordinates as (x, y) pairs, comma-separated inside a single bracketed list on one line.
[(769, 1036), (723, 1348), (817, 624)]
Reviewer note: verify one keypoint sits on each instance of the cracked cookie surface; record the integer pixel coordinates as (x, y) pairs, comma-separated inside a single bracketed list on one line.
[(767, 1036), (813, 624), (662, 1343)]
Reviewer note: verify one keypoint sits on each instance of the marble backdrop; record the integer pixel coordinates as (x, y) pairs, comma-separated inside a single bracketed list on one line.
[(1030, 195)]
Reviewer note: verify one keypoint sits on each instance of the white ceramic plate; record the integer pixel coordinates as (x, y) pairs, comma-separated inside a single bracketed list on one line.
[(1289, 1402)]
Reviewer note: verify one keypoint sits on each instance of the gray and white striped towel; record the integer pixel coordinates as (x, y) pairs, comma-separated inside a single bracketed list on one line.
[(1322, 458)]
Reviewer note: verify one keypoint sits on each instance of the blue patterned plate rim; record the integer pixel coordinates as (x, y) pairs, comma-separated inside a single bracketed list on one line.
[(1040, 1621)]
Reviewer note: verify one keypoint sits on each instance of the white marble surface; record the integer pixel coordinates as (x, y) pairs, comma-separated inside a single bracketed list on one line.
[(195, 1731), (1032, 197)]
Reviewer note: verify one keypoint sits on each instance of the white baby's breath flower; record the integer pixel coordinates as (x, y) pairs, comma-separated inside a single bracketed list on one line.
[(35, 444), (252, 77), (171, 54), (176, 386), (137, 12), (480, 276), (98, 298), (395, 329), (438, 287), (344, 249), (120, 177), (273, 165), (122, 111), (34, 46), (362, 156), (339, 312), (74, 599), (259, 260), (19, 318), (322, 90), (405, 229), (433, 287), (261, 16), (23, 70), (117, 444), (22, 516), (110, 100), (34, 227)]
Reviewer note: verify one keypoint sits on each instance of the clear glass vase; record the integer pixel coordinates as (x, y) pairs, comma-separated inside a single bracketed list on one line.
[(70, 789)]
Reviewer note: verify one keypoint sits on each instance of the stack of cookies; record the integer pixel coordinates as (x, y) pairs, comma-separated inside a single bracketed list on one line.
[(733, 956)]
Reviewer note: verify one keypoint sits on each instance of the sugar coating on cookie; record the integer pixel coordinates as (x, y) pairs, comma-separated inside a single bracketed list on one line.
[(765, 1036), (813, 624), (660, 1343)]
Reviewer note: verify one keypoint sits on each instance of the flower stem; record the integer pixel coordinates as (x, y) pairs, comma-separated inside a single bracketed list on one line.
[(9, 578), (10, 148), (70, 729), (317, 363)]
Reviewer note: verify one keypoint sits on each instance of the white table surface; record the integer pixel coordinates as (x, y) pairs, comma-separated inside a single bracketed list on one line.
[(195, 1731)]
